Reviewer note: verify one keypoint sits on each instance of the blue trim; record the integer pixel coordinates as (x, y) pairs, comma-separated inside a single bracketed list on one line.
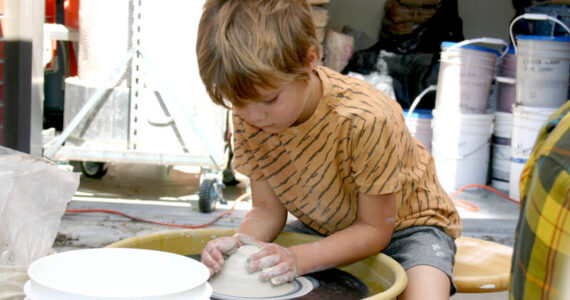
[(472, 47), (511, 49), (544, 38), (419, 113), (519, 160)]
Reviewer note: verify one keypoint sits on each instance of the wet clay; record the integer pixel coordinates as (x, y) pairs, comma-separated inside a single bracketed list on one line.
[(235, 280)]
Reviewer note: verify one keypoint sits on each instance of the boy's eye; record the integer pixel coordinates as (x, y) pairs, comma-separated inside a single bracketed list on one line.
[(272, 100)]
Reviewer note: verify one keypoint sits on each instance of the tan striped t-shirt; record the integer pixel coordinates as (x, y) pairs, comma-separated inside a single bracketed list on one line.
[(356, 141)]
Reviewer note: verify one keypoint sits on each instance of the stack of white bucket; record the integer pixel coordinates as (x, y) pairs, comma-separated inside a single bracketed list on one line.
[(542, 76), (501, 142), (461, 124), (419, 125)]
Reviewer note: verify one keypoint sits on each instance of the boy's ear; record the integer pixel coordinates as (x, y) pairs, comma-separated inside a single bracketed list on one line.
[(312, 57)]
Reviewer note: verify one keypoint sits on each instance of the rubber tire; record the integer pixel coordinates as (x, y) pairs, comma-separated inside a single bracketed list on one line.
[(229, 178), (93, 169), (208, 196)]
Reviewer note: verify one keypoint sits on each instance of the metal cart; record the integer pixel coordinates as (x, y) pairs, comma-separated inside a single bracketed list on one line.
[(138, 96)]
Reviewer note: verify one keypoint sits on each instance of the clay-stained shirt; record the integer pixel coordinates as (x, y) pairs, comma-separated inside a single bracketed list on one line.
[(355, 141)]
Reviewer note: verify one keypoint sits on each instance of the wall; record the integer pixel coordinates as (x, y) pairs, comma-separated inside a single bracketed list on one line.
[(364, 15), (489, 18), (486, 18)]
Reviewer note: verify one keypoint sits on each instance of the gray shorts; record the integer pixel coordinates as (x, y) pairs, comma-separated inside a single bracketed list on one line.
[(424, 245), (414, 246)]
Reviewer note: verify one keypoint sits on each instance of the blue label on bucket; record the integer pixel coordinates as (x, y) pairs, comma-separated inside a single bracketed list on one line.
[(519, 160)]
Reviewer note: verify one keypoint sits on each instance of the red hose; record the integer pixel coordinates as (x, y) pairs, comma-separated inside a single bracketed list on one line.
[(239, 199)]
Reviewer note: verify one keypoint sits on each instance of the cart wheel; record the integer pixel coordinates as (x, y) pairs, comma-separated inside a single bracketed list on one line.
[(209, 193), (93, 169), (228, 177)]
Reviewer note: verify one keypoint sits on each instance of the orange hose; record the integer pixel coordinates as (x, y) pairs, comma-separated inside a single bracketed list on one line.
[(466, 205), (459, 203), (239, 199), (472, 207), (484, 187)]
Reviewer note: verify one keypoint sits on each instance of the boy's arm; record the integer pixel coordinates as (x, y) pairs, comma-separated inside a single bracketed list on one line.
[(267, 216), (369, 235)]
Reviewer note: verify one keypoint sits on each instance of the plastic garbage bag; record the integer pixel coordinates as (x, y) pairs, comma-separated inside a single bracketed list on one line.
[(33, 197)]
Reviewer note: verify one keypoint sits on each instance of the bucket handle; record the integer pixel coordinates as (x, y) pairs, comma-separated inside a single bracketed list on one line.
[(508, 80), (464, 155), (537, 17), (417, 101), (485, 40)]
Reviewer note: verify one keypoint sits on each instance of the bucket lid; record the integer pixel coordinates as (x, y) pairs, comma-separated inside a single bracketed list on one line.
[(472, 47), (511, 49), (419, 113), (544, 38)]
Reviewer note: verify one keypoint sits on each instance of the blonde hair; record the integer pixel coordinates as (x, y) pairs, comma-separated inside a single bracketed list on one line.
[(244, 44)]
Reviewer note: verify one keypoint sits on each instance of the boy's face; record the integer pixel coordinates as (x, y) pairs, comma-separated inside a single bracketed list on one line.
[(282, 107)]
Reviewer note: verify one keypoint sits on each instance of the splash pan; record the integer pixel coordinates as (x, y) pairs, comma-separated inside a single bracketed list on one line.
[(383, 276), (117, 274)]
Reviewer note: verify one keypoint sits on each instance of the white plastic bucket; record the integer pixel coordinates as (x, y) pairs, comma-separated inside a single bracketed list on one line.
[(543, 69), (509, 63), (419, 125), (501, 162), (117, 273), (500, 185), (527, 121), (506, 88), (516, 168), (460, 148), (465, 76), (503, 125)]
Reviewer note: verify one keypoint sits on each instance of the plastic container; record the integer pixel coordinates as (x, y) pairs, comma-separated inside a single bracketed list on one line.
[(117, 274), (465, 76), (500, 185), (501, 162), (543, 69), (383, 276), (516, 168), (419, 125), (506, 83), (503, 125), (527, 122), (461, 148)]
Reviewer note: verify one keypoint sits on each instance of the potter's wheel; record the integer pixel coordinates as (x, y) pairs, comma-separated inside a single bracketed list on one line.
[(328, 284)]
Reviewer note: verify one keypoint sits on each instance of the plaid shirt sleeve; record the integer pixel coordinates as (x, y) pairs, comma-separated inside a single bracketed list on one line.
[(541, 259)]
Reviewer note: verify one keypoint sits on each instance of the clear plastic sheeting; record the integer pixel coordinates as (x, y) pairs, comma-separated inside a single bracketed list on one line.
[(33, 197), (383, 82)]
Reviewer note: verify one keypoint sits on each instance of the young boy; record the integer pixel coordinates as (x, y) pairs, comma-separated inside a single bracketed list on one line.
[(330, 149)]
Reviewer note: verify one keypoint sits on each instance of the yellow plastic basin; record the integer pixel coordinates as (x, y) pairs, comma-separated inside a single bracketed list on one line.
[(385, 278)]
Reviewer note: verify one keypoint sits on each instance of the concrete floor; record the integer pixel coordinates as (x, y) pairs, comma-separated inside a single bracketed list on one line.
[(169, 195)]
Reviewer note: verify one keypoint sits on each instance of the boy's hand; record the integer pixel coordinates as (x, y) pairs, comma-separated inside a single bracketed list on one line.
[(275, 262), (213, 254)]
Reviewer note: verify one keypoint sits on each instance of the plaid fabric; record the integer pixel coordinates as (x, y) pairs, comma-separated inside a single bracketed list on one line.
[(541, 260)]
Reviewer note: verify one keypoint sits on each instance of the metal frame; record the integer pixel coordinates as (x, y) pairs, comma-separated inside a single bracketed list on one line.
[(56, 149)]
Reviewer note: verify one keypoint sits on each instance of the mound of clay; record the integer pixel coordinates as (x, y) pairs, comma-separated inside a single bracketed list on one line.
[(235, 280)]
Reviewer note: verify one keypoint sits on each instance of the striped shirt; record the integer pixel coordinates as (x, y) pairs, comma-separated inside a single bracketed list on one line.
[(355, 141), (541, 259)]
